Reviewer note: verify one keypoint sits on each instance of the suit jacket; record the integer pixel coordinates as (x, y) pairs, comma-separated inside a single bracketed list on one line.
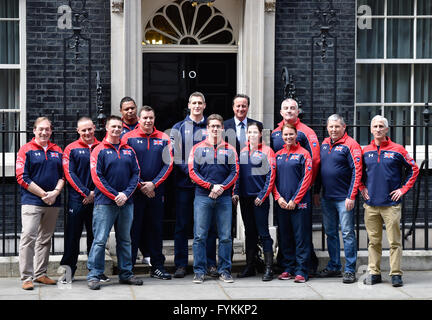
[(231, 125)]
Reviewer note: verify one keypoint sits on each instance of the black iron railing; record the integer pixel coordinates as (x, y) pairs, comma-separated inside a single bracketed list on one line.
[(415, 219)]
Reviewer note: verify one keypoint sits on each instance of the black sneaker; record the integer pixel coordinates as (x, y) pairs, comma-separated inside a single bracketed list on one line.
[(212, 272), (349, 277), (132, 281), (198, 278), (326, 273), (93, 285), (104, 278), (160, 274), (180, 272), (226, 277), (372, 279), (397, 281)]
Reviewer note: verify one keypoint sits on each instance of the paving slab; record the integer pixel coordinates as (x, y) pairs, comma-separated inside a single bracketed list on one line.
[(417, 286)]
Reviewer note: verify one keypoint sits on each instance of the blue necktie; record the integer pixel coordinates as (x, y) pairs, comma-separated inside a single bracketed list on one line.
[(242, 139)]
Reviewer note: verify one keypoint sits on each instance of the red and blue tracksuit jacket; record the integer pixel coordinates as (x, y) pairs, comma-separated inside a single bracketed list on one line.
[(293, 175), (113, 171), (44, 168), (340, 168), (257, 172), (382, 173), (209, 165), (154, 154), (128, 127), (184, 135), (307, 139), (76, 167)]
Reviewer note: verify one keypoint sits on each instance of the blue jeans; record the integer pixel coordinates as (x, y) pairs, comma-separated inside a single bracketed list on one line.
[(334, 212), (104, 217), (184, 220), (78, 216), (207, 210)]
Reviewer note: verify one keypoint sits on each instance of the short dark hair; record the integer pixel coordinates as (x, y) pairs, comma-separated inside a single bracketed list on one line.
[(126, 99), (197, 94), (112, 117), (256, 124), (241, 95), (146, 108), (215, 116)]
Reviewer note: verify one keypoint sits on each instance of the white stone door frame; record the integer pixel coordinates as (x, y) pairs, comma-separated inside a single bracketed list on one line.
[(255, 62), (255, 55)]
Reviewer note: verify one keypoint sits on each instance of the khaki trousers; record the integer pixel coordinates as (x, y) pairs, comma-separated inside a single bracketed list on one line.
[(374, 218), (38, 225)]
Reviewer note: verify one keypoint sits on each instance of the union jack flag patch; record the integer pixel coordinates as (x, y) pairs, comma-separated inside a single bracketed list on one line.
[(54, 155), (302, 205), (257, 154), (339, 148), (127, 152), (157, 142), (295, 157), (389, 155), (224, 152)]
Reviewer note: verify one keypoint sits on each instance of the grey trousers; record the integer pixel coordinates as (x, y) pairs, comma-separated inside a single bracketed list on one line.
[(38, 225)]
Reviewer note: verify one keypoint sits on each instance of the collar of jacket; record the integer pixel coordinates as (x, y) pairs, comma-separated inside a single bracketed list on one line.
[(85, 145), (383, 144), (295, 124), (106, 143), (141, 132), (127, 125), (293, 148), (222, 144), (341, 140), (34, 143)]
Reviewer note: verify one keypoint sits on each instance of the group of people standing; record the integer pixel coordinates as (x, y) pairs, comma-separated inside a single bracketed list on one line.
[(119, 182)]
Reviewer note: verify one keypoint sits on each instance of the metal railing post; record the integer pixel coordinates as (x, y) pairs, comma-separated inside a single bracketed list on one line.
[(426, 116)]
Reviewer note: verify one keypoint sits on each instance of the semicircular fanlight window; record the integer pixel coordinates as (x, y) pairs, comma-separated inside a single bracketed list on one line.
[(181, 23)]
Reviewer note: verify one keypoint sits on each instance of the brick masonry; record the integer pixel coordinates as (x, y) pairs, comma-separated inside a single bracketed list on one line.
[(294, 31), (45, 62)]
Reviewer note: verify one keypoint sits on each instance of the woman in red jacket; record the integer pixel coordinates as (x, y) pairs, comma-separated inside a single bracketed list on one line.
[(256, 181), (291, 191)]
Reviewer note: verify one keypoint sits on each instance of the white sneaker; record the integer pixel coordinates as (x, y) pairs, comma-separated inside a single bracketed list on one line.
[(146, 260), (64, 281)]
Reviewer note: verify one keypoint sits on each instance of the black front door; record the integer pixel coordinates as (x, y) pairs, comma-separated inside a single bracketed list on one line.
[(169, 79)]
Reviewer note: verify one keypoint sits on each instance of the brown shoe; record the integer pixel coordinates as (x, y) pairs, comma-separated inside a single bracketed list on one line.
[(45, 280), (27, 285)]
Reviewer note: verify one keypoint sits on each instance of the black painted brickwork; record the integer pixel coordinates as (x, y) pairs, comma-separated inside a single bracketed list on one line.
[(45, 62), (294, 30)]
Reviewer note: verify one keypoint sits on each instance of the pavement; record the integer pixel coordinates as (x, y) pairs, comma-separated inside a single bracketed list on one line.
[(417, 286), (248, 298)]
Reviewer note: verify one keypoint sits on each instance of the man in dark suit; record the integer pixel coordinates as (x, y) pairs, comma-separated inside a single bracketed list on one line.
[(236, 127), (235, 134)]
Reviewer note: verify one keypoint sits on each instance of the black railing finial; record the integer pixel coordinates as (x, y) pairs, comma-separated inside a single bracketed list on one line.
[(100, 121), (426, 114), (326, 16)]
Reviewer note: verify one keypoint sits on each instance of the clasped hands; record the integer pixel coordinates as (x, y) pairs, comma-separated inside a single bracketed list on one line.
[(148, 188), (50, 197), (216, 191), (286, 205)]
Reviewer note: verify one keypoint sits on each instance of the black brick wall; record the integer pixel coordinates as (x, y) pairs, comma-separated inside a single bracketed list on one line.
[(45, 62), (294, 31)]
